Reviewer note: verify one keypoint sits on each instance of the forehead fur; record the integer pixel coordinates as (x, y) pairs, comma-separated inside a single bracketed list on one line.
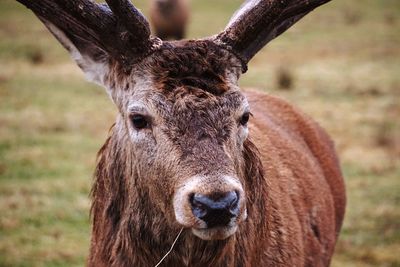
[(188, 66)]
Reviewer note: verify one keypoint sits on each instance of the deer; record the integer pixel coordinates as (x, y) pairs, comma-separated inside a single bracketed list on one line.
[(196, 171), (169, 18)]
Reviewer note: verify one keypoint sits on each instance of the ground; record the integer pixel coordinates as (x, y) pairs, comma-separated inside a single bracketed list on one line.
[(340, 65)]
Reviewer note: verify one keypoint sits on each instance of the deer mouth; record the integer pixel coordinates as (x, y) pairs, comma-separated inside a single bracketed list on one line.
[(215, 233)]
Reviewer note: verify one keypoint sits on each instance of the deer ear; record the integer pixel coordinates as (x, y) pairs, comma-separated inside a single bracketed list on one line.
[(93, 60)]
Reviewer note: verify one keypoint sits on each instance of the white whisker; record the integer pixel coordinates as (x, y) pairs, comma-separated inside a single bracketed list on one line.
[(172, 247)]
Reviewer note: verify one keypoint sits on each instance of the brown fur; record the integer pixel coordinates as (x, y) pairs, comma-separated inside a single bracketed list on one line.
[(191, 64), (289, 171), (169, 18)]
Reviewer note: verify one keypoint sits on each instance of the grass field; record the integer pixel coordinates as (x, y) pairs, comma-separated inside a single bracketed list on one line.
[(341, 65)]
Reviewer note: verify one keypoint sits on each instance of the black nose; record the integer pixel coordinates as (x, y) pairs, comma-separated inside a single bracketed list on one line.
[(216, 209)]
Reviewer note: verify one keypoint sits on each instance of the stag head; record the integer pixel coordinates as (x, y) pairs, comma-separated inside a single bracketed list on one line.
[(183, 121)]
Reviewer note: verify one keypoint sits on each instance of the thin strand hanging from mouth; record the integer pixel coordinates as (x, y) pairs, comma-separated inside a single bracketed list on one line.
[(172, 247)]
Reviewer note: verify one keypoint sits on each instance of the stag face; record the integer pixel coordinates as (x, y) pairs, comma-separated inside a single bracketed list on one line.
[(187, 120)]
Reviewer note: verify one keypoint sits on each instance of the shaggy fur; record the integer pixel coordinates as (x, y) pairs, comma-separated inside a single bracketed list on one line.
[(191, 64), (290, 174)]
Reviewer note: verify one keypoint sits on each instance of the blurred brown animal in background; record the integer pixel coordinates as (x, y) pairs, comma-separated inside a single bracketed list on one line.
[(169, 18), (245, 178)]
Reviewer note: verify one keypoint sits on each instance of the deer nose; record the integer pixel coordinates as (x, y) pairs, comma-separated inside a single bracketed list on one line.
[(217, 209)]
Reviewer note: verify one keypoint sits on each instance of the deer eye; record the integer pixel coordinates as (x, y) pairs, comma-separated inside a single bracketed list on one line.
[(139, 121), (245, 118)]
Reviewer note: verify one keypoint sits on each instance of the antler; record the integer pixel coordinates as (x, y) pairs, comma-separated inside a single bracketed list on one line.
[(131, 18), (259, 21), (123, 32)]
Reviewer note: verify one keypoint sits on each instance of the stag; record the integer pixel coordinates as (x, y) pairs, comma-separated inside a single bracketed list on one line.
[(169, 18), (193, 165)]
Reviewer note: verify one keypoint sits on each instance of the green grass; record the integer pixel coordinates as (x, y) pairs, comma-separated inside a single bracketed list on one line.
[(342, 60)]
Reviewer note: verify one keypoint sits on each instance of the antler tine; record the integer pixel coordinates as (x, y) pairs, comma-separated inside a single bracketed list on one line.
[(130, 17), (259, 21), (137, 27), (84, 20), (293, 13)]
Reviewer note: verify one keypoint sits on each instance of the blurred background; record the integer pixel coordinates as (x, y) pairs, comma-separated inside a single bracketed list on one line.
[(340, 64)]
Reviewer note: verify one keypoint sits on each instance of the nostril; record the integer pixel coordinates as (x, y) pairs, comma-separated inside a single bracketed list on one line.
[(234, 203), (199, 208)]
